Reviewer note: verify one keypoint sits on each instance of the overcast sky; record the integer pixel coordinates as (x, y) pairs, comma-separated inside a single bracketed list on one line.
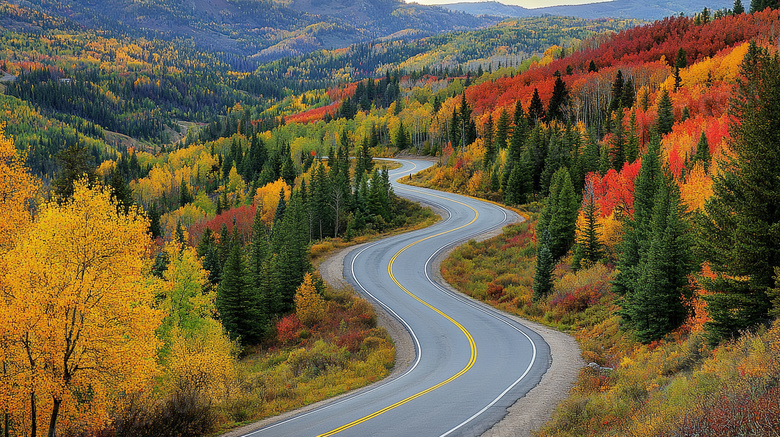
[(523, 3)]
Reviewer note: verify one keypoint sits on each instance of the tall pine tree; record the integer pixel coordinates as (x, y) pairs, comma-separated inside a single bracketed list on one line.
[(739, 235)]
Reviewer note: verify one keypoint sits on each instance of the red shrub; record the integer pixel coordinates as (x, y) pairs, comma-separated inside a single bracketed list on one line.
[(288, 329)]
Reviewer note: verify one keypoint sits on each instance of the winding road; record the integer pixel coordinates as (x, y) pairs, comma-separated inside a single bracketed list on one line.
[(471, 363)]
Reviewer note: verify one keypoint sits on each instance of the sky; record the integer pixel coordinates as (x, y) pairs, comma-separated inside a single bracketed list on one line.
[(524, 3)]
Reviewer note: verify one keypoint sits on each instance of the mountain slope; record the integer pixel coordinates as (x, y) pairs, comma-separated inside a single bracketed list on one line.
[(638, 9), (267, 29)]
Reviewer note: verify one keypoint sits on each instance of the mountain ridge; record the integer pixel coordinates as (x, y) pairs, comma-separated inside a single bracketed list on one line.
[(637, 9)]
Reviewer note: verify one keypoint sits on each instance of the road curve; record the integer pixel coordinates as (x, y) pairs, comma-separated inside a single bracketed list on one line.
[(472, 362)]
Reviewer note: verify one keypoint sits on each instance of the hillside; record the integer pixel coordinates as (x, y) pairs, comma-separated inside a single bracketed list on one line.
[(635, 9), (263, 29)]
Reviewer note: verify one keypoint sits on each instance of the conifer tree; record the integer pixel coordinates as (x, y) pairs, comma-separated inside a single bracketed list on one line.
[(490, 146), (207, 251), (702, 151), (636, 229), (559, 216), (545, 264), (259, 279), (588, 249), (654, 307), (665, 115), (618, 142), (231, 295), (558, 100), (291, 263), (738, 7), (739, 234), (617, 92), (502, 130), (629, 95), (536, 108)]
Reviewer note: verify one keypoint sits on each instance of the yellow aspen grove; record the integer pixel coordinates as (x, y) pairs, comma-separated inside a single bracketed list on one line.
[(77, 323), (17, 186), (309, 305)]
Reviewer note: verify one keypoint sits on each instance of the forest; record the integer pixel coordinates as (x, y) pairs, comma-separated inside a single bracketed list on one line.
[(155, 198)]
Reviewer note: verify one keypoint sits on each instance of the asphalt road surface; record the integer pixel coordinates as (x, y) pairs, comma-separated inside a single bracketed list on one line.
[(471, 362)]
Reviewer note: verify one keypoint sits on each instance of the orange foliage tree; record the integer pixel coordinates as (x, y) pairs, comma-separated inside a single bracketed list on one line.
[(77, 324)]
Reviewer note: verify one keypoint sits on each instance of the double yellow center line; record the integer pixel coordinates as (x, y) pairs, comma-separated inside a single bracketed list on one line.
[(472, 344)]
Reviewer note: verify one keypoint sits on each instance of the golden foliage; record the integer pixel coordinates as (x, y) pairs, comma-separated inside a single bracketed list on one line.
[(78, 324), (17, 187), (267, 199), (204, 361), (309, 305)]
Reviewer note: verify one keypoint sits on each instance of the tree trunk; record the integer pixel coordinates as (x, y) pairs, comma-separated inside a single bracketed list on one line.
[(55, 411), (33, 417)]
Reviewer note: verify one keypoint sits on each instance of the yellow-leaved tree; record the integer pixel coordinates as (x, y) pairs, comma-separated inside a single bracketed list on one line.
[(309, 305), (17, 188), (77, 323)]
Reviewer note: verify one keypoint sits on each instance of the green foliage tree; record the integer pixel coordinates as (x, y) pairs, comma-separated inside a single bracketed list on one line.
[(636, 229), (75, 164), (545, 264), (665, 114), (559, 217), (588, 250), (559, 99), (760, 5), (702, 151), (738, 7), (655, 307), (536, 108), (739, 235)]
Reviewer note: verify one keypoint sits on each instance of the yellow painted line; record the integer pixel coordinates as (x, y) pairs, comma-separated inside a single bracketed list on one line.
[(472, 344)]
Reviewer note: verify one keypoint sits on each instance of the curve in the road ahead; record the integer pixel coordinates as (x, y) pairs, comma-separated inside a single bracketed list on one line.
[(450, 389)]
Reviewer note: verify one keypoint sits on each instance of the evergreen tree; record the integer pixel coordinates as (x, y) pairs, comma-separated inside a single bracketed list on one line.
[(558, 100), (545, 264), (654, 307), (588, 250), (291, 263), (760, 5), (618, 142), (121, 193), (592, 67), (75, 164), (636, 229), (502, 130), (207, 251), (632, 146), (154, 221), (258, 272), (401, 139), (739, 234), (665, 115), (629, 95), (490, 146), (536, 108), (232, 295), (702, 151), (559, 216), (738, 8), (617, 92)]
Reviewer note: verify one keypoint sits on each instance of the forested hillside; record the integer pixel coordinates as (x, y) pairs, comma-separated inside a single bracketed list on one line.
[(158, 195), (263, 29)]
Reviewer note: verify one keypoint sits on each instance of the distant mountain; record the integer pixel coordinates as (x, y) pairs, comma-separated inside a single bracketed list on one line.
[(264, 29), (636, 9)]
